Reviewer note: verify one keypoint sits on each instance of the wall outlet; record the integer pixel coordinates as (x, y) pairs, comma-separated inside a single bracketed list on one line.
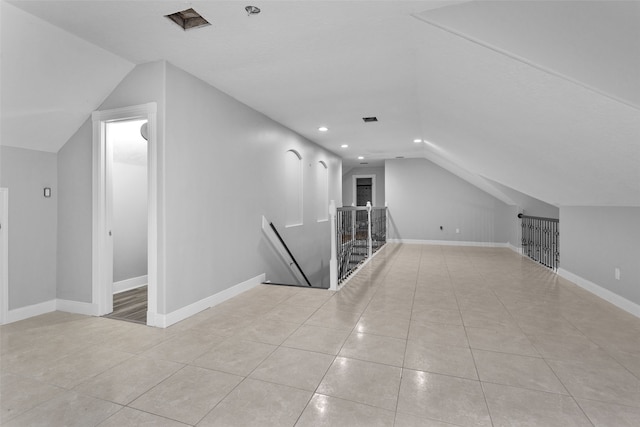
[(617, 273), (457, 231)]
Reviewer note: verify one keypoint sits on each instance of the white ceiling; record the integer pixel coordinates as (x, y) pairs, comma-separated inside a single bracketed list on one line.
[(51, 81), (540, 96)]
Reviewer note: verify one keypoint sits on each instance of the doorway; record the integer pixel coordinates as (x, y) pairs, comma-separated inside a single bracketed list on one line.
[(364, 190), (125, 212), (127, 186)]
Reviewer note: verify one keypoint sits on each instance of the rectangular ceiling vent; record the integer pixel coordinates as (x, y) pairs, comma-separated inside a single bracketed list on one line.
[(188, 19), (370, 119)]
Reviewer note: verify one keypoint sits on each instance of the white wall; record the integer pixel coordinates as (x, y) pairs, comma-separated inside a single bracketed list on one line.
[(129, 221), (596, 240), (530, 205), (32, 222), (347, 184), (225, 168), (422, 196)]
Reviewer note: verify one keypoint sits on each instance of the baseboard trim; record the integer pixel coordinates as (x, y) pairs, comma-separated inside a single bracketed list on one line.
[(515, 248), (68, 306), (128, 284), (77, 307), (449, 243), (615, 299), (33, 310), (166, 320)]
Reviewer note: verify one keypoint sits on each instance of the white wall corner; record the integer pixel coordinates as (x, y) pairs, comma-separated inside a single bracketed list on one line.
[(128, 284), (86, 308), (615, 299), (514, 248), (166, 320), (22, 313)]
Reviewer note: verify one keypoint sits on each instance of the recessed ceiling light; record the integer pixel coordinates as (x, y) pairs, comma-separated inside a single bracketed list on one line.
[(323, 128), (360, 157), (344, 146), (417, 141), (188, 19)]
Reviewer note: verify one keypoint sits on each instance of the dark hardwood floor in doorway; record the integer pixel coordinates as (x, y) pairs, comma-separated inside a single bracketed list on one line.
[(130, 306)]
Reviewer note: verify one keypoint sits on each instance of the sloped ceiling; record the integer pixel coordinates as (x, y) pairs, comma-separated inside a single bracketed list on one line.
[(539, 96), (51, 80)]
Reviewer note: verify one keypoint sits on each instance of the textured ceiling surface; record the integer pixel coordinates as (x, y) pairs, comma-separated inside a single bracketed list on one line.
[(539, 96)]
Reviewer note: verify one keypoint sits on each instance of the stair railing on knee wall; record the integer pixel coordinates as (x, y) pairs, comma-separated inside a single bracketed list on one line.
[(541, 240), (357, 232)]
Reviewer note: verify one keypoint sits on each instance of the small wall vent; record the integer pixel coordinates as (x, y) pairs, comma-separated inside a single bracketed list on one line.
[(370, 119), (188, 19)]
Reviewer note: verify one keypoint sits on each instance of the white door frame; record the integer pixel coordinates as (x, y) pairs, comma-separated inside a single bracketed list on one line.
[(102, 255), (4, 258), (373, 188)]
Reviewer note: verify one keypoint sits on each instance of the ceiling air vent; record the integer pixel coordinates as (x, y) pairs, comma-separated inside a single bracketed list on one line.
[(188, 19), (370, 119)]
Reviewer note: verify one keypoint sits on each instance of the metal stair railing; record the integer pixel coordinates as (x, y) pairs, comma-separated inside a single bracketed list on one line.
[(541, 240), (356, 234)]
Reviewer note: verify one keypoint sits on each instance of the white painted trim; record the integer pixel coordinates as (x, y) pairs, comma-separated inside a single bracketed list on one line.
[(373, 188), (599, 291), (4, 260), (22, 313), (33, 310), (449, 243), (77, 307), (128, 284), (102, 246), (515, 248), (165, 320)]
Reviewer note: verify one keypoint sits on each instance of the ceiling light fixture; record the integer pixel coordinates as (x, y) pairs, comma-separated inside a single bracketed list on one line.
[(417, 141), (252, 10), (323, 128), (360, 158), (188, 19), (344, 146)]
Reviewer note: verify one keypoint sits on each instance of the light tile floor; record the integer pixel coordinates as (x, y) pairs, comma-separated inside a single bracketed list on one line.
[(422, 336)]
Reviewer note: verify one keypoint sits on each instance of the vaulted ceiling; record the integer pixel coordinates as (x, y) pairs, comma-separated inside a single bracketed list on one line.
[(543, 97)]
